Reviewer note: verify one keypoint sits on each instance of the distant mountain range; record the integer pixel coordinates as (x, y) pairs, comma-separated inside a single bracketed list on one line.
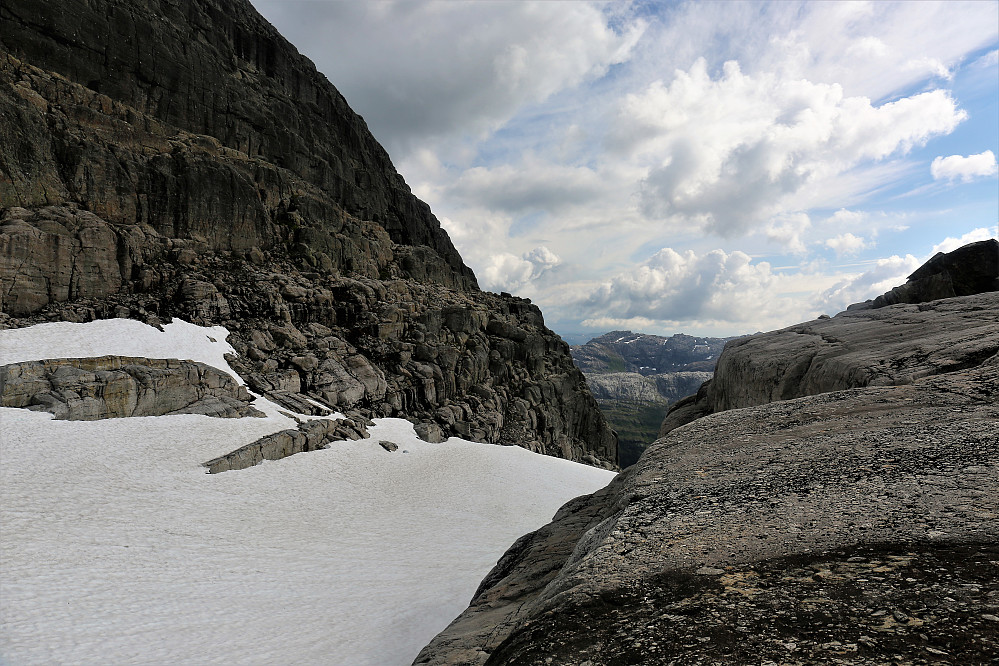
[(635, 377)]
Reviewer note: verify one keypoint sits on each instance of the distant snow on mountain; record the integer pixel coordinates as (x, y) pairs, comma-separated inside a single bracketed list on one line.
[(118, 547), (635, 377)]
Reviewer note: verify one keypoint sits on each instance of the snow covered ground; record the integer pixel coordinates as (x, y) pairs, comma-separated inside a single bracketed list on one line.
[(117, 548)]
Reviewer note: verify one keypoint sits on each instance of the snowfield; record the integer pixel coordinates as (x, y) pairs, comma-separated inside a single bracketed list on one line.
[(117, 548)]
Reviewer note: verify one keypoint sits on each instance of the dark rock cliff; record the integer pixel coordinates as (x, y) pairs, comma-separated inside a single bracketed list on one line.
[(162, 159), (841, 508)]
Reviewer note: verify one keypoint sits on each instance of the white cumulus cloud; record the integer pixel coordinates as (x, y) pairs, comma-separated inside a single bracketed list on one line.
[(966, 169), (847, 244), (885, 275), (423, 70), (508, 272), (728, 153), (689, 287), (950, 244)]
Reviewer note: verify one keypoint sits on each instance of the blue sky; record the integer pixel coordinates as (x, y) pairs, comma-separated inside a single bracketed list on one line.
[(711, 168)]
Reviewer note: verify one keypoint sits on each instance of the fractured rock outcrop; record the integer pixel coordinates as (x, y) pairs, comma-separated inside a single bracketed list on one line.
[(311, 435), (104, 387)]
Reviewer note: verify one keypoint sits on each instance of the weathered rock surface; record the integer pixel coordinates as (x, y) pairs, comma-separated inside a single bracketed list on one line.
[(210, 172), (856, 525), (86, 389), (244, 101)]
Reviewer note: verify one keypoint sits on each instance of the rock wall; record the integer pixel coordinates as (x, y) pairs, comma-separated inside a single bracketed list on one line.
[(181, 159), (217, 70), (851, 526)]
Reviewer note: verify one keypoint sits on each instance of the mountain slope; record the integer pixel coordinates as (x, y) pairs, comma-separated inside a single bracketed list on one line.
[(161, 159)]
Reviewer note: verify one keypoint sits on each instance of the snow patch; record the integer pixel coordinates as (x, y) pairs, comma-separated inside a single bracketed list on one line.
[(117, 547), (118, 337)]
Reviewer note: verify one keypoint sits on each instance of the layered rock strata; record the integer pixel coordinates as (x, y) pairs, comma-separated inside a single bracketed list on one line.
[(185, 160), (87, 389), (635, 404), (793, 531)]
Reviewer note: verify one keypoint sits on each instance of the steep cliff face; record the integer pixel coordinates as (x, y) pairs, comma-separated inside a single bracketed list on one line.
[(214, 68), (840, 508), (635, 404), (162, 159), (647, 355)]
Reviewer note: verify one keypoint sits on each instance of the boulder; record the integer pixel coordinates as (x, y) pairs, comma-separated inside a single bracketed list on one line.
[(87, 389)]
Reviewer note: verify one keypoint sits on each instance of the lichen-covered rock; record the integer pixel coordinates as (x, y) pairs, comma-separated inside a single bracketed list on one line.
[(105, 387)]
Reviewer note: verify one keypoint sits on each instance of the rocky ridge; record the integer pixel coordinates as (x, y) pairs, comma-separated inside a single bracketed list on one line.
[(185, 161), (864, 346), (852, 525), (647, 355)]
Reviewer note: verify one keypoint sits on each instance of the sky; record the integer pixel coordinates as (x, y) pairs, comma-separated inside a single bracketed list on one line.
[(710, 168)]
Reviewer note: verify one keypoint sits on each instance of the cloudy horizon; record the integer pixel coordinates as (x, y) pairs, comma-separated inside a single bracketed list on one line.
[(706, 168)]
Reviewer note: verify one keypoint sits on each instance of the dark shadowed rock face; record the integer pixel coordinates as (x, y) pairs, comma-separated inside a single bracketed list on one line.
[(854, 525), (162, 159), (972, 269)]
